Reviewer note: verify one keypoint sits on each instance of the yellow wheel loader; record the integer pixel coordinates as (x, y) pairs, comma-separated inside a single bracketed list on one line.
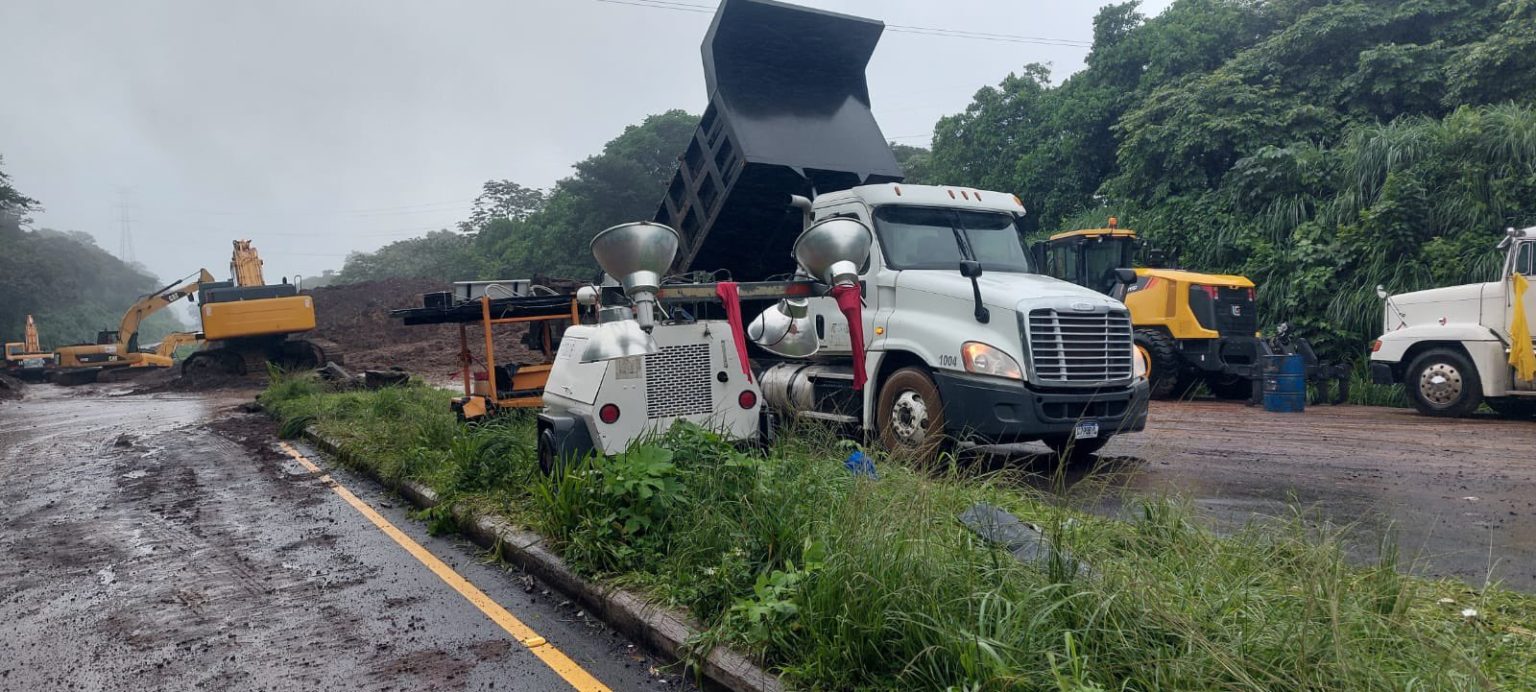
[(1190, 327), (247, 323)]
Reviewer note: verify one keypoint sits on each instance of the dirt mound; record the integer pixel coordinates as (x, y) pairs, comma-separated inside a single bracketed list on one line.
[(353, 320), (11, 388)]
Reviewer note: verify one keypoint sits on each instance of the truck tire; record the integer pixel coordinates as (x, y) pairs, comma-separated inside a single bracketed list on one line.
[(1513, 407), (1075, 452), (910, 415), (1164, 366), (1443, 383)]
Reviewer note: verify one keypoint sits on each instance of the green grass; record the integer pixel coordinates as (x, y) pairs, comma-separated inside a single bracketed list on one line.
[(840, 582)]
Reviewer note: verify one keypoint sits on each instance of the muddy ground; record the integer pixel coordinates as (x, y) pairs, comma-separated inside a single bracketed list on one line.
[(159, 542), (1460, 495), (353, 320)]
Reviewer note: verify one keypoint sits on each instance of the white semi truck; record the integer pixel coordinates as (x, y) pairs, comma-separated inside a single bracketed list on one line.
[(963, 338), (1450, 347)]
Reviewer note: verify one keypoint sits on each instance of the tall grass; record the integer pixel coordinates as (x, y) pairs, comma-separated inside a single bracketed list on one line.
[(840, 581)]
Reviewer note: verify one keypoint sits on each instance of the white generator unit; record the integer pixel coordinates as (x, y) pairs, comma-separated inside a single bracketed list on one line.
[(694, 374)]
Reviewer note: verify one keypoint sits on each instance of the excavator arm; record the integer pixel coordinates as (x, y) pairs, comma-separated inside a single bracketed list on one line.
[(31, 340), (128, 331)]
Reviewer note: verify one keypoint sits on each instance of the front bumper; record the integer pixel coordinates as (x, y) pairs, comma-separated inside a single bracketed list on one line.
[(992, 410)]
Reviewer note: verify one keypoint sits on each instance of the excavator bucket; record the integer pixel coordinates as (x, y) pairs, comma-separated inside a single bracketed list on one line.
[(788, 115)]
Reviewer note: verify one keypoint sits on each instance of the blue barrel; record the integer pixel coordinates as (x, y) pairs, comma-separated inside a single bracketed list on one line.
[(1285, 384)]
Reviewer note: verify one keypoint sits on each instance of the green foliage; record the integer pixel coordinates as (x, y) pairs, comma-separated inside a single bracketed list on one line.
[(1320, 147), (442, 255), (70, 286), (838, 582)]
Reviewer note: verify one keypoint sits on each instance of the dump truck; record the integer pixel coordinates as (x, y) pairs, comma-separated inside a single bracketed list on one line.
[(247, 323), (1456, 348), (961, 337)]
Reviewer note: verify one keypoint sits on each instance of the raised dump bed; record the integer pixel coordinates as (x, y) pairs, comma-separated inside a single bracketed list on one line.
[(788, 115)]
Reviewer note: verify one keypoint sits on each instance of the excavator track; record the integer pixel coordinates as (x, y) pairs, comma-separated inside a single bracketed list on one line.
[(243, 358)]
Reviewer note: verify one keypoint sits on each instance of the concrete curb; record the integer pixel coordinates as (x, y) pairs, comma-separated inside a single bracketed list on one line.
[(662, 630)]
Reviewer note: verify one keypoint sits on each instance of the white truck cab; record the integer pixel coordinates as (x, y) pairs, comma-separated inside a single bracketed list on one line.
[(1450, 347), (1007, 355)]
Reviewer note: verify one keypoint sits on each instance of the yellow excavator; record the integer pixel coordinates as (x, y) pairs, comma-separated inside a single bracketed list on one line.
[(26, 359), (172, 342), (247, 322), (119, 348)]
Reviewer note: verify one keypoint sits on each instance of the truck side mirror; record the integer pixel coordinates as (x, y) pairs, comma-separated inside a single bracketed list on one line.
[(1125, 276), (970, 269)]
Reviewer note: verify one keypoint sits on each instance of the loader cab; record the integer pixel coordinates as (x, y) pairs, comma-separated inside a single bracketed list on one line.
[(1090, 258)]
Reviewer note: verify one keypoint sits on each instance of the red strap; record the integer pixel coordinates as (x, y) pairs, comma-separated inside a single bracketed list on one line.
[(851, 304), (732, 300)]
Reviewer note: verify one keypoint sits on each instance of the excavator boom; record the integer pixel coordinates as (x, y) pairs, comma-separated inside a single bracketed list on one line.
[(32, 344), (128, 330)]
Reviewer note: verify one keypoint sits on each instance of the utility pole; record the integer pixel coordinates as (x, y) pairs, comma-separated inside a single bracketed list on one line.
[(125, 224)]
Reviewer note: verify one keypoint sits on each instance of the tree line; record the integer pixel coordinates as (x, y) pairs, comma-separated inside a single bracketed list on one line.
[(1321, 147), (69, 285)]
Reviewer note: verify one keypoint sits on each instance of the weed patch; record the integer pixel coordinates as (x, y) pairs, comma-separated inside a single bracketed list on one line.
[(842, 581)]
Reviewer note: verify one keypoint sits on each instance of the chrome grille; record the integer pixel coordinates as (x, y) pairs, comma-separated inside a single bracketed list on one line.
[(1080, 349), (677, 382)]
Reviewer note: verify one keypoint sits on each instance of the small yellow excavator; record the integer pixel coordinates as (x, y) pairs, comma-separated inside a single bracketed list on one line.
[(26, 359), (119, 348), (247, 323), (168, 346)]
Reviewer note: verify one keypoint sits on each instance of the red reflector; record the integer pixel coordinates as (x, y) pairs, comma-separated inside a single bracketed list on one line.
[(1375, 346), (1210, 291), (747, 399), (1252, 295), (609, 414)]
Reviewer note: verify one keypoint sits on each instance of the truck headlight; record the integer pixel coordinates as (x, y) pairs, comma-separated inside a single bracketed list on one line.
[(982, 359), (1139, 358)]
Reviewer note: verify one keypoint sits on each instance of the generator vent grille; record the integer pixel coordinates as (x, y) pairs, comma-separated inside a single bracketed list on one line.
[(677, 382)]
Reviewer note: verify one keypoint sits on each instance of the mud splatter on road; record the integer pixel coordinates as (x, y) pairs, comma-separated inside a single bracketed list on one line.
[(158, 542)]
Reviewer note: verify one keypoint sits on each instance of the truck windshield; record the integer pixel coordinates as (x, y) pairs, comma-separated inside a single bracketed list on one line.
[(928, 238)]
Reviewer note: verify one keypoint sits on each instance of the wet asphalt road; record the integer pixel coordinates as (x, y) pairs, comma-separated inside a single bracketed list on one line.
[(1459, 494), (160, 543)]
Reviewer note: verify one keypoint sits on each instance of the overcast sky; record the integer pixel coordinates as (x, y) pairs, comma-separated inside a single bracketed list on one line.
[(316, 128)]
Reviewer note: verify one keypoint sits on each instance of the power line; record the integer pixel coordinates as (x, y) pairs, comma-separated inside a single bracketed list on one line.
[(894, 28)]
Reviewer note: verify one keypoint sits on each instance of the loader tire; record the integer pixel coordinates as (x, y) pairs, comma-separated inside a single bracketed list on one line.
[(1165, 369)]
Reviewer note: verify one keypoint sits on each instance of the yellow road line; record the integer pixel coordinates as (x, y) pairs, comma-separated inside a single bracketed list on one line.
[(551, 656)]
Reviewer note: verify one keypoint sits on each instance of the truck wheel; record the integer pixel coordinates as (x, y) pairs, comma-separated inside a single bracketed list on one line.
[(1075, 451), (1230, 387), (1444, 383), (548, 452), (1163, 363), (1516, 408), (911, 415)]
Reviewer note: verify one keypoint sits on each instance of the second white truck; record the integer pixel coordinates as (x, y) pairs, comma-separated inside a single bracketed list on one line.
[(1450, 347)]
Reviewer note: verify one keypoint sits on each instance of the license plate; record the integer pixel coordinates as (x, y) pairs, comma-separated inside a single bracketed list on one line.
[(1086, 430)]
